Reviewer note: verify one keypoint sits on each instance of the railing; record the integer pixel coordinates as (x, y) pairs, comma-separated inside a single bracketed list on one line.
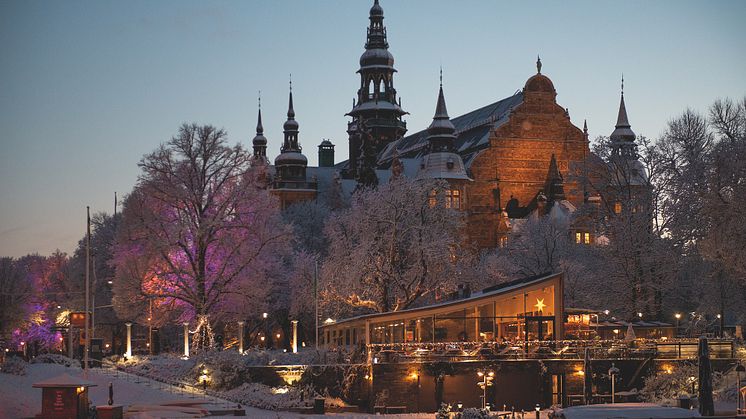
[(566, 349)]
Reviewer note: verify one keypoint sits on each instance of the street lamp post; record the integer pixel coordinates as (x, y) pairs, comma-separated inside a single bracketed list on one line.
[(678, 317), (613, 371), (240, 337), (739, 369), (295, 336), (186, 339), (487, 378), (720, 325)]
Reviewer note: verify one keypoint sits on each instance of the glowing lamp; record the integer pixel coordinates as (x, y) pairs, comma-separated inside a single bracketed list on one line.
[(677, 315), (264, 315)]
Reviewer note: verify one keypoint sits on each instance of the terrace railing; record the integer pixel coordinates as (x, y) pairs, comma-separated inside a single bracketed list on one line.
[(565, 349)]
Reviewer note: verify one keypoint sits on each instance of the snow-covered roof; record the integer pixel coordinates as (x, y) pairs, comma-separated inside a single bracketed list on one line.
[(64, 380)]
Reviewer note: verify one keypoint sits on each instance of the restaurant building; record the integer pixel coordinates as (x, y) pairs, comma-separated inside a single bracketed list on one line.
[(521, 310)]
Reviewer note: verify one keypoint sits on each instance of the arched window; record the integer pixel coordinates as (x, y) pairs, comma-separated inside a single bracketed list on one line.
[(370, 88)]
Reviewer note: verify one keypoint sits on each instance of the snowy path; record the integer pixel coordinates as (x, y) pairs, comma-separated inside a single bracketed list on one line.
[(18, 399)]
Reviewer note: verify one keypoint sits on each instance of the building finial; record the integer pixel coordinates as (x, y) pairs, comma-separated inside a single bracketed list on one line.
[(622, 84), (441, 76), (538, 64), (259, 98), (291, 111)]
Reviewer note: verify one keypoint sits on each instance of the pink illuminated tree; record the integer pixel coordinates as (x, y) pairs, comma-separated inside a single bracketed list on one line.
[(198, 236)]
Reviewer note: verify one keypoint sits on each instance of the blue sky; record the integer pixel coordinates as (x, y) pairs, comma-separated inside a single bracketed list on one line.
[(88, 87)]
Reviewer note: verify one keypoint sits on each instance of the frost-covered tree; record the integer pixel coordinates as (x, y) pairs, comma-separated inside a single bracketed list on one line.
[(197, 235), (15, 294), (396, 245)]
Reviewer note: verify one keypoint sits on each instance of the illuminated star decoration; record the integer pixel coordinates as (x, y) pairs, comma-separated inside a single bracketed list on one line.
[(540, 305)]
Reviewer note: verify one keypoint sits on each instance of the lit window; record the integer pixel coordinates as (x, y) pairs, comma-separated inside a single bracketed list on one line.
[(618, 208), (432, 200), (587, 237), (453, 198), (577, 237), (502, 241)]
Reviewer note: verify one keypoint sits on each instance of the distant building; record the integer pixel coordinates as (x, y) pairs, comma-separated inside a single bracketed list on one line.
[(504, 161)]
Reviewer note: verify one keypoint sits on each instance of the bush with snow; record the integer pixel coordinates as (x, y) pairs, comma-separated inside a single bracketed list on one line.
[(56, 359), (13, 365), (474, 413)]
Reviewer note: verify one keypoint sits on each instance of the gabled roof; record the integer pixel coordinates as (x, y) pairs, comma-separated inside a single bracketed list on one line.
[(472, 133)]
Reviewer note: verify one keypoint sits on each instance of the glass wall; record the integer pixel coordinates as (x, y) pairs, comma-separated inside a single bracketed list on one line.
[(511, 317)]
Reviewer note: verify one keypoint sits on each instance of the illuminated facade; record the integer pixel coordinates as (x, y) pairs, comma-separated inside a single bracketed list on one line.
[(525, 309)]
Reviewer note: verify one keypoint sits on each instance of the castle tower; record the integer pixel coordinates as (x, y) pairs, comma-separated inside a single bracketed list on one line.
[(259, 143), (290, 182), (376, 115), (441, 162), (623, 138)]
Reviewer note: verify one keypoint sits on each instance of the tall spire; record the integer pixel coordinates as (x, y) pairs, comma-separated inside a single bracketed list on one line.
[(623, 130), (259, 127), (291, 111), (259, 142), (290, 128), (441, 132), (441, 162)]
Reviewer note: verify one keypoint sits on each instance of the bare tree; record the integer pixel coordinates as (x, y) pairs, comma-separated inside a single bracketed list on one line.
[(196, 232), (394, 247)]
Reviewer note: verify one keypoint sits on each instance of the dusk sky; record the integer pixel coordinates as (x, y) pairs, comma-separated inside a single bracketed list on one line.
[(88, 87)]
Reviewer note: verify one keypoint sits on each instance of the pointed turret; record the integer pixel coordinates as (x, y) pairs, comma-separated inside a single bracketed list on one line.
[(441, 162), (623, 131), (624, 149), (291, 163), (259, 142), (441, 132)]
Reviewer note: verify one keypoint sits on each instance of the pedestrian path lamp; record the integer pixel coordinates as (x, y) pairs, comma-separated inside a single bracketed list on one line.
[(486, 379), (613, 372), (739, 369)]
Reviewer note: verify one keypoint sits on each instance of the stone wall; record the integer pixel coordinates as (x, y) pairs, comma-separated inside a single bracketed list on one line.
[(517, 160)]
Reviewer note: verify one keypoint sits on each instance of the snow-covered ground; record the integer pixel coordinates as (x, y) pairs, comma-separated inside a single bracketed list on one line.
[(18, 399)]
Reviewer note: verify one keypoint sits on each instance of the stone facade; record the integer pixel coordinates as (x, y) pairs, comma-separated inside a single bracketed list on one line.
[(513, 169)]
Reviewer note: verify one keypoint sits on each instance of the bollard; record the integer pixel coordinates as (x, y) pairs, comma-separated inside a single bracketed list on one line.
[(111, 394)]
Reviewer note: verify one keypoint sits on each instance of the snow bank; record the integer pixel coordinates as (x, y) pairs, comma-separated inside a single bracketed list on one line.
[(624, 410)]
